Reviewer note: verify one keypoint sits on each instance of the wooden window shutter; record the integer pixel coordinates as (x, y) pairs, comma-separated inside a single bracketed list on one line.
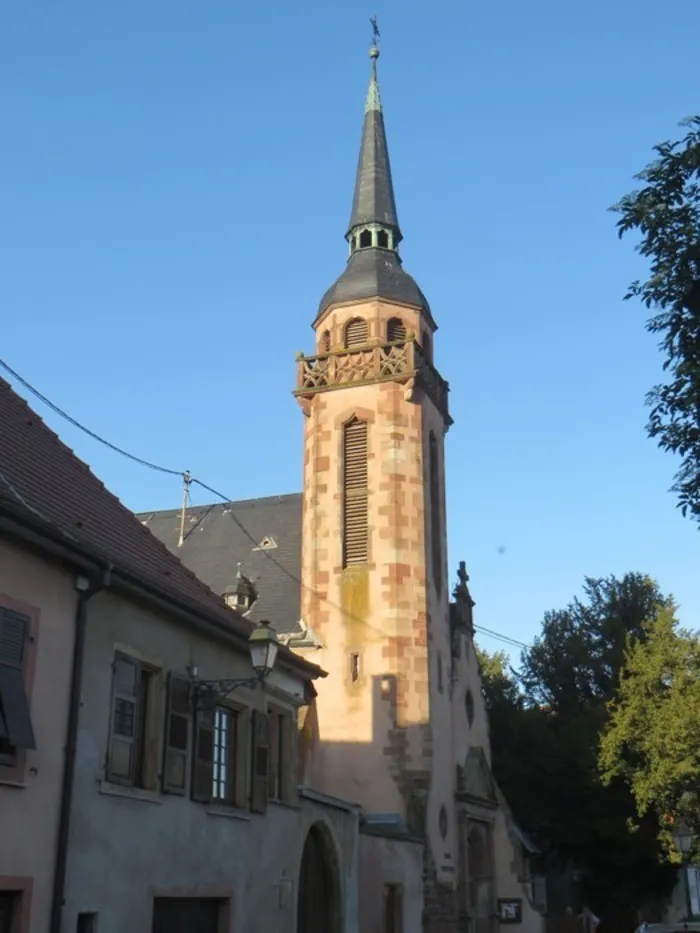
[(395, 329), (290, 759), (356, 333), (121, 756), (275, 762), (261, 753), (177, 735), (355, 493), (242, 762), (435, 501), (203, 757), (14, 633)]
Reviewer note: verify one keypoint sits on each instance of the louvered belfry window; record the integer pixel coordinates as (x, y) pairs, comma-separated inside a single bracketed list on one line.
[(355, 524), (395, 329), (356, 333), (435, 523)]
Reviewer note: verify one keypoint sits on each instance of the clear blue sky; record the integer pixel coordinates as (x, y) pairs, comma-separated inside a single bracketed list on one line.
[(176, 182)]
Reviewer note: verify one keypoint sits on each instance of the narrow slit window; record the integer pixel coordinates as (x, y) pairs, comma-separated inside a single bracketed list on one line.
[(355, 494), (435, 518), (354, 667)]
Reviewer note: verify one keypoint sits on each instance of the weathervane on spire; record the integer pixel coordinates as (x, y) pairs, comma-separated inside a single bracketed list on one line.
[(374, 50)]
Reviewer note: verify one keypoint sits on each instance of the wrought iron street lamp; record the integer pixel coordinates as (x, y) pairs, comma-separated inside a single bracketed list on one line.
[(263, 645), (683, 839)]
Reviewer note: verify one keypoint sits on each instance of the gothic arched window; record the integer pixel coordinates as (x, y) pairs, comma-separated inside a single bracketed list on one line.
[(355, 493), (365, 239), (395, 329), (356, 333), (435, 501)]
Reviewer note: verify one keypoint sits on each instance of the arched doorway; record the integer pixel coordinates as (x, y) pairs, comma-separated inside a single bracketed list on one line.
[(318, 898), (480, 866)]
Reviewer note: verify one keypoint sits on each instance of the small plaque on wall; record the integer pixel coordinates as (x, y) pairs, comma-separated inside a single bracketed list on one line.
[(510, 910)]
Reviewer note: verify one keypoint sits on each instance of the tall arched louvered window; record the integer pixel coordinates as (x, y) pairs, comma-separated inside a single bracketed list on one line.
[(435, 502), (355, 517), (324, 343), (356, 333), (395, 329)]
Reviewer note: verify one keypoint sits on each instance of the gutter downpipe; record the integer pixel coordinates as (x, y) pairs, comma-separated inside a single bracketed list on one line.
[(86, 590)]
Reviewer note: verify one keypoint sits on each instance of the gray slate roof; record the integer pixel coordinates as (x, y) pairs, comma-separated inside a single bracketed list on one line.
[(375, 273), (373, 201), (214, 546)]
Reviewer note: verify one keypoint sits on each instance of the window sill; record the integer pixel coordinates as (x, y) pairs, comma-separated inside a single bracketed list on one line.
[(284, 804), (228, 813), (12, 782), (131, 793)]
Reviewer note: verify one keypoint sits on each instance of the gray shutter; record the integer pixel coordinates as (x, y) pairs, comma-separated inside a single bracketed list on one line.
[(177, 735), (15, 718), (121, 756), (242, 762), (14, 632), (274, 762), (290, 759), (203, 758), (355, 505), (261, 755)]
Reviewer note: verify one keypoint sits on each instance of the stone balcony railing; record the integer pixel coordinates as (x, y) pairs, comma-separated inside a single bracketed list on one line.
[(402, 361)]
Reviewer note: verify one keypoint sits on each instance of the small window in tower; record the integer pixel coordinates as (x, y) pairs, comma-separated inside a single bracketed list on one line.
[(383, 239), (440, 684), (354, 667), (365, 239), (324, 344), (395, 329), (356, 333), (427, 346)]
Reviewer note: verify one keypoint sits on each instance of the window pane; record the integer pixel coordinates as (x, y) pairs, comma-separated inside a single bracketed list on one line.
[(124, 718), (125, 676)]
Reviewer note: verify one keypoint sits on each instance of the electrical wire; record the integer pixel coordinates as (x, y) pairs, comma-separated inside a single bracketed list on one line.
[(189, 480), (77, 424)]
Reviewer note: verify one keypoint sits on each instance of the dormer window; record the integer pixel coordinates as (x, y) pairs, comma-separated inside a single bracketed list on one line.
[(266, 543)]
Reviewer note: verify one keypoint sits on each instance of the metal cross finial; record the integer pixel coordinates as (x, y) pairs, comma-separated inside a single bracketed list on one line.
[(375, 30)]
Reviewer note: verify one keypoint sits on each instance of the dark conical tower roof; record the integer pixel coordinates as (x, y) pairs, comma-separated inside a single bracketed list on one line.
[(374, 201), (374, 268)]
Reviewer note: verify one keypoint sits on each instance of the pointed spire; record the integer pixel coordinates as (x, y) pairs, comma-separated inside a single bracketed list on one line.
[(373, 203)]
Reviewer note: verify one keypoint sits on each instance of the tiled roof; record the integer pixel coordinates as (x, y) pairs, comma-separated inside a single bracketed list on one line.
[(215, 544), (41, 477)]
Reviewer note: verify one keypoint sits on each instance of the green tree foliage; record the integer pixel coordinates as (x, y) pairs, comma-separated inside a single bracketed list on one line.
[(546, 724), (666, 213), (651, 739)]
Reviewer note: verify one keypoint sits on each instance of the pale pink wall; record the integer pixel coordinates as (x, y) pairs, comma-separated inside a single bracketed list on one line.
[(30, 795)]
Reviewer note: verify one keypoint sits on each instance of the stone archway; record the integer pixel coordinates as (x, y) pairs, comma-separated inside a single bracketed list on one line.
[(319, 889)]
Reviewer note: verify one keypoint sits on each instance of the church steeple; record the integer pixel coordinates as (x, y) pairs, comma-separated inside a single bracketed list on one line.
[(374, 206), (374, 267)]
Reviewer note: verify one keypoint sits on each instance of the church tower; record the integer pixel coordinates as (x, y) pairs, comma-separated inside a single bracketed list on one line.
[(374, 569)]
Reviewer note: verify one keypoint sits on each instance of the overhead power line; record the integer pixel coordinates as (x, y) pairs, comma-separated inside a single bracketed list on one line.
[(77, 424), (189, 480)]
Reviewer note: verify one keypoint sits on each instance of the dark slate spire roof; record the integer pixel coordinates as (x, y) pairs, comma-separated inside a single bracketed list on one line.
[(374, 201), (374, 271)]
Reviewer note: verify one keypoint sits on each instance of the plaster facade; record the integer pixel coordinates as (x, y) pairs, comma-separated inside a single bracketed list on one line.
[(30, 789), (131, 845)]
